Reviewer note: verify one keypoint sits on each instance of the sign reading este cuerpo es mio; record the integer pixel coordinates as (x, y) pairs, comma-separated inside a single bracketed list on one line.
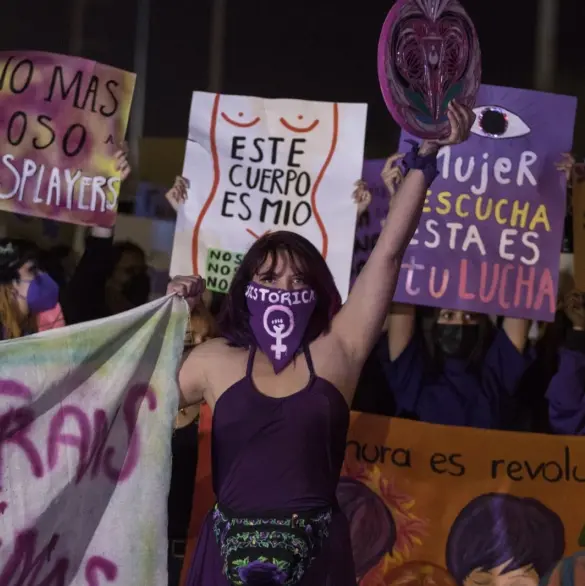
[(257, 165)]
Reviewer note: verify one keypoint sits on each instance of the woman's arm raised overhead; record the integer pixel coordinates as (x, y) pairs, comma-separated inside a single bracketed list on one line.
[(359, 323)]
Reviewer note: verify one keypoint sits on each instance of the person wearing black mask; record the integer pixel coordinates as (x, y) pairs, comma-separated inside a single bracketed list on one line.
[(468, 375)]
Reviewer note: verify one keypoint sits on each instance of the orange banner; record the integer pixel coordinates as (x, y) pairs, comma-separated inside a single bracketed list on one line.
[(449, 506)]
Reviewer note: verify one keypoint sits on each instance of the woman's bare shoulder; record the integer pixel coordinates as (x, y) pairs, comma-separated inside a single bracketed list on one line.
[(220, 366)]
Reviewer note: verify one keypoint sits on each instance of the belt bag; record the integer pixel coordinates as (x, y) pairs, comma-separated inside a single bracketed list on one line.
[(273, 549)]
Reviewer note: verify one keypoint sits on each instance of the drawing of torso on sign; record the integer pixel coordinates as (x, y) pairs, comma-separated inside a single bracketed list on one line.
[(256, 166)]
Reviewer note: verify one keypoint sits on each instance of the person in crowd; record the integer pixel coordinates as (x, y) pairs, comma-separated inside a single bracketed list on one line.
[(503, 540), (467, 377), (371, 395), (29, 297), (110, 277), (566, 390), (471, 371), (202, 327), (280, 381)]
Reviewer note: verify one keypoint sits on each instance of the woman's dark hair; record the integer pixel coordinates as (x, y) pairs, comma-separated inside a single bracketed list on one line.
[(14, 253), (372, 527), (306, 259), (487, 333)]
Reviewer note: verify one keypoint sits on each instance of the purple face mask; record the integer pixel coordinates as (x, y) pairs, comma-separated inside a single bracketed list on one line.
[(279, 320), (42, 294)]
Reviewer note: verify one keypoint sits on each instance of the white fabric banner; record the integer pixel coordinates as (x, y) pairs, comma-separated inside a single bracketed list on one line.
[(256, 165), (86, 416)]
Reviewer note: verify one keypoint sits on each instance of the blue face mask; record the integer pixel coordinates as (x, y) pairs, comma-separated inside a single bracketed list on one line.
[(42, 294)]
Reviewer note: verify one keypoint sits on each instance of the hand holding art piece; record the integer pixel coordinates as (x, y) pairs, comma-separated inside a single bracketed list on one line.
[(428, 55)]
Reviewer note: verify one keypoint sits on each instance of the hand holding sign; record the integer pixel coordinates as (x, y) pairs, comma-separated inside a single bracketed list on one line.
[(362, 196), (177, 195), (461, 119), (122, 164), (575, 309)]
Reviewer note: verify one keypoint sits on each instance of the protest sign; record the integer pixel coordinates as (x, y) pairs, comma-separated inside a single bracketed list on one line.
[(369, 224), (431, 500), (257, 165), (491, 230), (86, 416), (578, 177), (61, 121)]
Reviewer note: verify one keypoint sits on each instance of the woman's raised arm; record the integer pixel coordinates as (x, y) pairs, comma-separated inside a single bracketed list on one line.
[(359, 323)]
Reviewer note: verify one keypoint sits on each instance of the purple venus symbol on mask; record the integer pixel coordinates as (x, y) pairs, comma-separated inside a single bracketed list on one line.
[(275, 327)]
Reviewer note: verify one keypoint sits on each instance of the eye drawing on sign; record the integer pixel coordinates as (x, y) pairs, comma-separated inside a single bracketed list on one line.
[(268, 159), (496, 122), (497, 538)]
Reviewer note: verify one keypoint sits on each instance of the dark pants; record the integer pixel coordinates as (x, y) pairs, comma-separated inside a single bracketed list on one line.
[(175, 560)]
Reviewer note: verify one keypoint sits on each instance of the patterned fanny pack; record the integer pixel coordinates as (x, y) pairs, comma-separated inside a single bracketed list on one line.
[(272, 550)]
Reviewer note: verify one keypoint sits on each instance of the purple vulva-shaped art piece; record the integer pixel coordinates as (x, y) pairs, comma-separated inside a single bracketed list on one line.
[(428, 55)]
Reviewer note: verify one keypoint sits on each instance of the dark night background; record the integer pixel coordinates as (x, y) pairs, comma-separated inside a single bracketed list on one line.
[(313, 49)]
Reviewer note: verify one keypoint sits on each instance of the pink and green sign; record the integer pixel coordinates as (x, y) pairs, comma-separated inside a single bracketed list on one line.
[(61, 121)]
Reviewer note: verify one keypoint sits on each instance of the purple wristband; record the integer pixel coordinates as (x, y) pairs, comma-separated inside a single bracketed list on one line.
[(427, 163)]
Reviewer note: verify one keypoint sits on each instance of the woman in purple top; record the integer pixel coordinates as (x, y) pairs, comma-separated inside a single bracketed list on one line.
[(469, 376), (566, 391), (280, 383)]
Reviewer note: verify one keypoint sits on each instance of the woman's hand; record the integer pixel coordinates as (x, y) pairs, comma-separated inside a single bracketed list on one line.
[(189, 288), (122, 164), (461, 119), (177, 194), (361, 196), (392, 175), (566, 165), (575, 309)]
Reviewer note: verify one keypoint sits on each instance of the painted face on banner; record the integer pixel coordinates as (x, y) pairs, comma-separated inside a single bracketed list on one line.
[(279, 320), (428, 55)]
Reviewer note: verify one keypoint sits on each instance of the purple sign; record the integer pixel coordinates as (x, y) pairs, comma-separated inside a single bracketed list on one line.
[(490, 236), (369, 224)]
